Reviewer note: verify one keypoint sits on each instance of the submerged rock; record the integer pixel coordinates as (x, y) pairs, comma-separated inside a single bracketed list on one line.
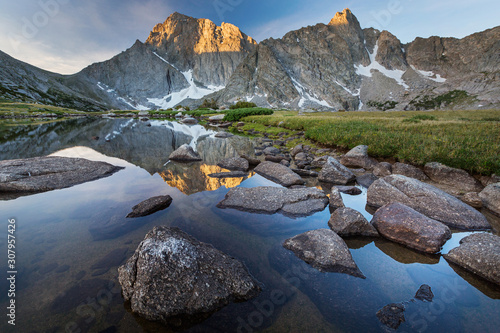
[(392, 315), (335, 173), (171, 274), (491, 198), (349, 222), (479, 254), (279, 174), (457, 178), (427, 200), (232, 174), (150, 206), (324, 250), (41, 174), (358, 157), (270, 200), (234, 163), (406, 226), (424, 293), (184, 153)]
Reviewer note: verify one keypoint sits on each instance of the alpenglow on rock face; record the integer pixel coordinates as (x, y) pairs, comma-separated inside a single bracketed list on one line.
[(171, 274)]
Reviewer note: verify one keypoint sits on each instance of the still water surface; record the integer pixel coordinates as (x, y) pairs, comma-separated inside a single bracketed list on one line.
[(70, 243)]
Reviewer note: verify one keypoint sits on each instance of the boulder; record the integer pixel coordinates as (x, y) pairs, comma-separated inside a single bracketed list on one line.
[(472, 199), (319, 162), (358, 157), (335, 199), (278, 173), (189, 121), (150, 206), (335, 173), (392, 315), (491, 198), (223, 135), (276, 158), (349, 222), (232, 174), (41, 174), (427, 200), (351, 190), (185, 153), (424, 293), (382, 169), (302, 157), (235, 164), (272, 151), (480, 254), (251, 161), (408, 171), (366, 180), (404, 225), (269, 200), (324, 250), (297, 149), (457, 178), (305, 173), (218, 117), (171, 274)]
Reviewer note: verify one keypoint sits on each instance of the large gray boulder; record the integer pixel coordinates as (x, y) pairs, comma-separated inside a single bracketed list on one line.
[(184, 153), (358, 157), (406, 226), (335, 201), (278, 173), (270, 200), (324, 250), (427, 200), (408, 170), (457, 178), (150, 206), (40, 174), (382, 169), (172, 274), (480, 254), (335, 173), (491, 198), (349, 222), (235, 164)]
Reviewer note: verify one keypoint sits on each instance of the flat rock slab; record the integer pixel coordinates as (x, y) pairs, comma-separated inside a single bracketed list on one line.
[(479, 254), (491, 198), (184, 153), (457, 178), (269, 200), (41, 174), (349, 222), (232, 174), (172, 274), (335, 173), (406, 226), (150, 206), (235, 164), (279, 174), (427, 200), (324, 250)]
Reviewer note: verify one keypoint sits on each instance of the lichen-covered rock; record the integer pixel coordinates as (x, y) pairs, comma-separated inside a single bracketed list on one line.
[(427, 200), (406, 226), (457, 178), (184, 153), (150, 206), (349, 222), (171, 274), (491, 198), (278, 173), (335, 173), (479, 254), (324, 250)]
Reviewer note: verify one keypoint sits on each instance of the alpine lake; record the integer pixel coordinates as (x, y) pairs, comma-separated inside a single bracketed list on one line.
[(70, 243)]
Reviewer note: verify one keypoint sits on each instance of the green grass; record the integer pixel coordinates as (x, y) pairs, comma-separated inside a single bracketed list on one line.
[(238, 114), (468, 140)]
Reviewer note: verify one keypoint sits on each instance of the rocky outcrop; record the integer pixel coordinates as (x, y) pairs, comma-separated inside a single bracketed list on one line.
[(335, 173), (457, 178), (479, 254), (491, 198), (324, 250), (41, 174), (349, 222), (185, 153), (234, 163), (427, 200), (406, 226), (172, 275), (150, 206), (270, 200), (279, 174), (358, 158)]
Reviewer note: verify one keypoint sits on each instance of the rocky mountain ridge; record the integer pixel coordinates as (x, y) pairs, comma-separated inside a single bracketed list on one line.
[(334, 66)]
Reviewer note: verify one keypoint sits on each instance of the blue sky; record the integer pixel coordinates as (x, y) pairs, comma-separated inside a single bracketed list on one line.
[(64, 36)]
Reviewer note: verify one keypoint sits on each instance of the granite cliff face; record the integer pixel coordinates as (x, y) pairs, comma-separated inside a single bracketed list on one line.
[(334, 66)]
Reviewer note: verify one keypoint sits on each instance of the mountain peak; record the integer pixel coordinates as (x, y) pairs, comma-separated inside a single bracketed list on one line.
[(346, 17)]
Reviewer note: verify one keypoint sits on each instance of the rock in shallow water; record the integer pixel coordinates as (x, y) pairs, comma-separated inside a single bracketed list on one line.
[(392, 315), (235, 164), (424, 293), (480, 254), (491, 198), (279, 174), (184, 153), (335, 173), (150, 206), (349, 222), (171, 274), (270, 200), (427, 200), (324, 250)]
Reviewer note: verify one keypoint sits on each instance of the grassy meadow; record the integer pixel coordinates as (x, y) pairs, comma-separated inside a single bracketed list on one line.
[(468, 140)]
